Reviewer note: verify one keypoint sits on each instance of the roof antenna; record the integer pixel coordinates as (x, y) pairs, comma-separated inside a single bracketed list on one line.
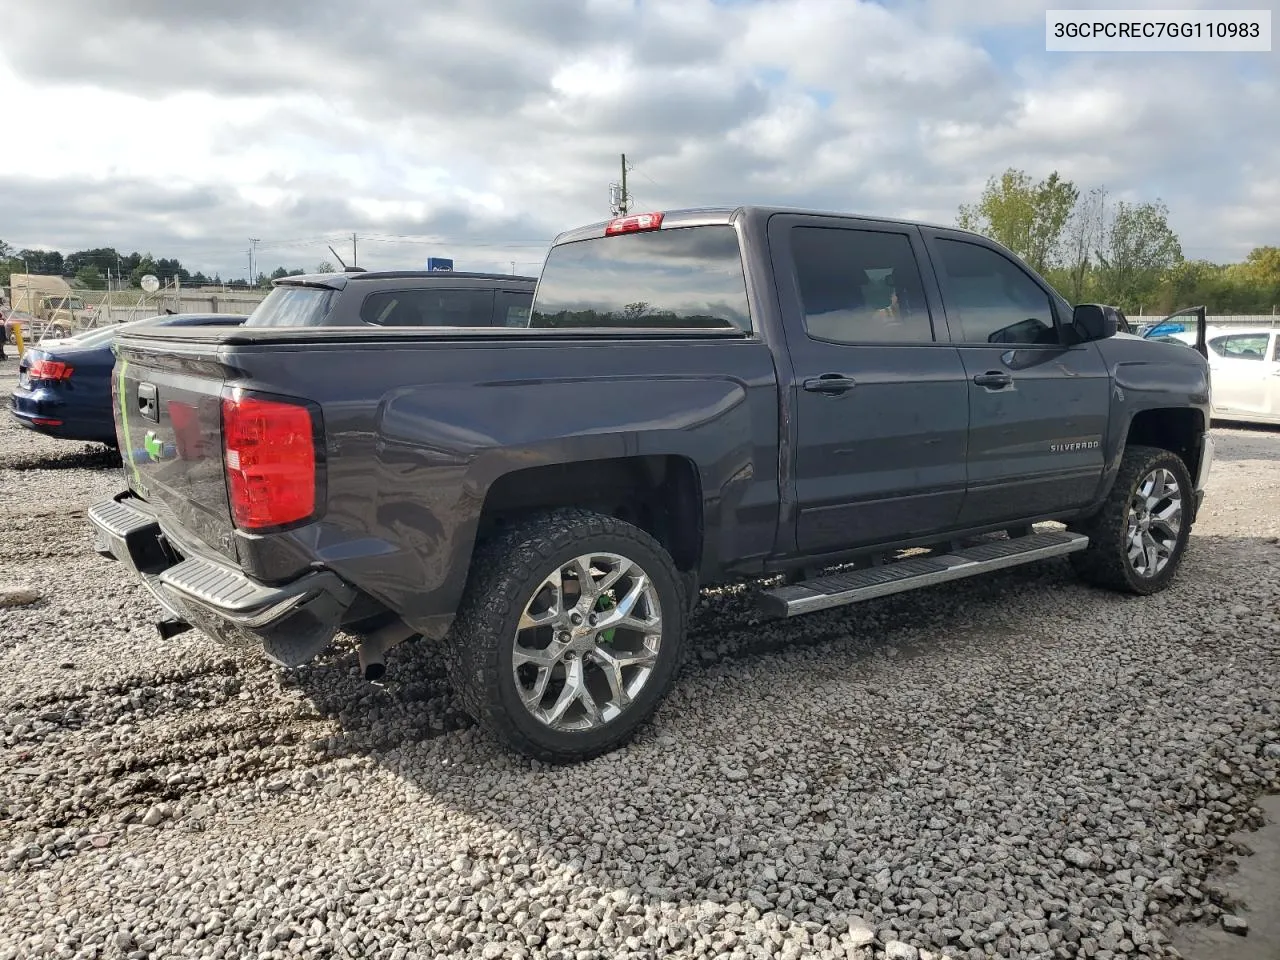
[(336, 257)]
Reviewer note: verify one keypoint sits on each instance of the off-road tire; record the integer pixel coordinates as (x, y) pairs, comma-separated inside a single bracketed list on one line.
[(1105, 562), (505, 573)]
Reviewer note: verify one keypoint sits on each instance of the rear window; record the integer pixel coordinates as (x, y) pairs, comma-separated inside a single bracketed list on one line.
[(429, 308), (292, 306), (684, 277)]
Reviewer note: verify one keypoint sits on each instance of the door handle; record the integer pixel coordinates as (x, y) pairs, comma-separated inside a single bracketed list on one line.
[(831, 383), (995, 379)]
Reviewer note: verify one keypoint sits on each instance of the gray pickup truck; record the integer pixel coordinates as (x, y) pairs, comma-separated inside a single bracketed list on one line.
[(862, 406)]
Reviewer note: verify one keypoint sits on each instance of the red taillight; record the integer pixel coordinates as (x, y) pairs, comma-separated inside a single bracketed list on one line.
[(54, 370), (269, 450), (634, 224)]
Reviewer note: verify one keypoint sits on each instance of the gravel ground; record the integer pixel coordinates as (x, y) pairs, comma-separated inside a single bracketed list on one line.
[(1015, 766)]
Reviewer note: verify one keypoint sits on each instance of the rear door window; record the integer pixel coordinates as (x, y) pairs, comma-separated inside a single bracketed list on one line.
[(511, 308), (1241, 346), (860, 286), (293, 306), (432, 307)]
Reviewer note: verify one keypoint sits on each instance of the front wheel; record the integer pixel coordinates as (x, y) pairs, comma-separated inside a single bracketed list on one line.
[(569, 634), (1137, 539)]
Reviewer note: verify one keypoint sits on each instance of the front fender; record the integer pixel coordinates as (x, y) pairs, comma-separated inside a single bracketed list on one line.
[(1149, 379)]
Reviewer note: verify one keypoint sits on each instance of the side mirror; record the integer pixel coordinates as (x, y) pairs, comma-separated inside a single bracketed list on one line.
[(1093, 321)]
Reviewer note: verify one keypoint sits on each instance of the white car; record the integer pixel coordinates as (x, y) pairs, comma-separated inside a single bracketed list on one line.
[(1245, 365)]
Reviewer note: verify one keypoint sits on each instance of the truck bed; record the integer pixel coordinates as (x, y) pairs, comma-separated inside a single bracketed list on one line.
[(411, 437)]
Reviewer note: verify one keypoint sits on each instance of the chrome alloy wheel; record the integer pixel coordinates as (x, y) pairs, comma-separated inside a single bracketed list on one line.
[(1154, 521), (587, 642)]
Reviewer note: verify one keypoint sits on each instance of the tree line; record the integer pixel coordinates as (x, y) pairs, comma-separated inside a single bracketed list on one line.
[(92, 268), (1097, 250)]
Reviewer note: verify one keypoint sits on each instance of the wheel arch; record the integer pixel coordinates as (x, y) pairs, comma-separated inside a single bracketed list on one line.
[(659, 493), (1179, 430)]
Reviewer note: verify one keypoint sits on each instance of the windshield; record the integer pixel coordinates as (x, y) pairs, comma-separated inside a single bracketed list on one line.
[(684, 277), (292, 306)]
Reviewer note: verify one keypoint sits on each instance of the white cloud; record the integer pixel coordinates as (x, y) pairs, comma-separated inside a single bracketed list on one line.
[(484, 122)]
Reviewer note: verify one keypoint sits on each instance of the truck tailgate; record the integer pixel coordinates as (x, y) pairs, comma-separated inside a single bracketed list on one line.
[(168, 411)]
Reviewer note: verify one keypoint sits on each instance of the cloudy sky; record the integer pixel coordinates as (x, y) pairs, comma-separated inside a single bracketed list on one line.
[(478, 129)]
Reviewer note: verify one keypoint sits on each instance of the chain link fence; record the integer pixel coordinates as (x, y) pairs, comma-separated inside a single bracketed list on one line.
[(108, 309)]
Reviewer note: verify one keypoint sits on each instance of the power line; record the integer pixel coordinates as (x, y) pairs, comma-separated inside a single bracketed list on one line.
[(647, 177), (304, 241), (454, 241)]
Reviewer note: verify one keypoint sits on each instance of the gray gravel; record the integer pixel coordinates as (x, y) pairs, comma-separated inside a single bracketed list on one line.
[(1017, 767)]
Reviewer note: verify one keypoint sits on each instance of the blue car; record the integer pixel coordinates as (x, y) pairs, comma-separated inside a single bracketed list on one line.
[(1163, 330), (64, 386)]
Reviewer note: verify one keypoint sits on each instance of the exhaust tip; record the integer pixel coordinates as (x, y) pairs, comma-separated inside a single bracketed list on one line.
[(373, 648)]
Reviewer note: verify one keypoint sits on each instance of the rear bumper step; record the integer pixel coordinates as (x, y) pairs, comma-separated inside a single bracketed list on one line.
[(840, 589), (293, 622)]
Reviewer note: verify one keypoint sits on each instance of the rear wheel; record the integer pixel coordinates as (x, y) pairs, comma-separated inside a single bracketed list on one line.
[(569, 634), (1136, 541)]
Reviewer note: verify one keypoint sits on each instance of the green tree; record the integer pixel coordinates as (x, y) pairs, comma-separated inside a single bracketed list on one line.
[(1261, 272), (1080, 240), (8, 265), (1026, 216), (172, 268), (279, 272), (45, 262), (324, 267), (141, 267), (91, 277), (1138, 251), (106, 259)]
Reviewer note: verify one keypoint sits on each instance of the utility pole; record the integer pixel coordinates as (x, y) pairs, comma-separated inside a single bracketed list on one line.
[(354, 261), (253, 250), (624, 202), (513, 268)]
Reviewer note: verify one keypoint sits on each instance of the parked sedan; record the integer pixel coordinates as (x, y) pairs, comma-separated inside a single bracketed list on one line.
[(1245, 365), (64, 388)]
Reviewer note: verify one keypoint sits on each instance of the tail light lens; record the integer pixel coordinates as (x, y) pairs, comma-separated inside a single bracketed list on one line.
[(638, 223), (269, 452), (52, 370)]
